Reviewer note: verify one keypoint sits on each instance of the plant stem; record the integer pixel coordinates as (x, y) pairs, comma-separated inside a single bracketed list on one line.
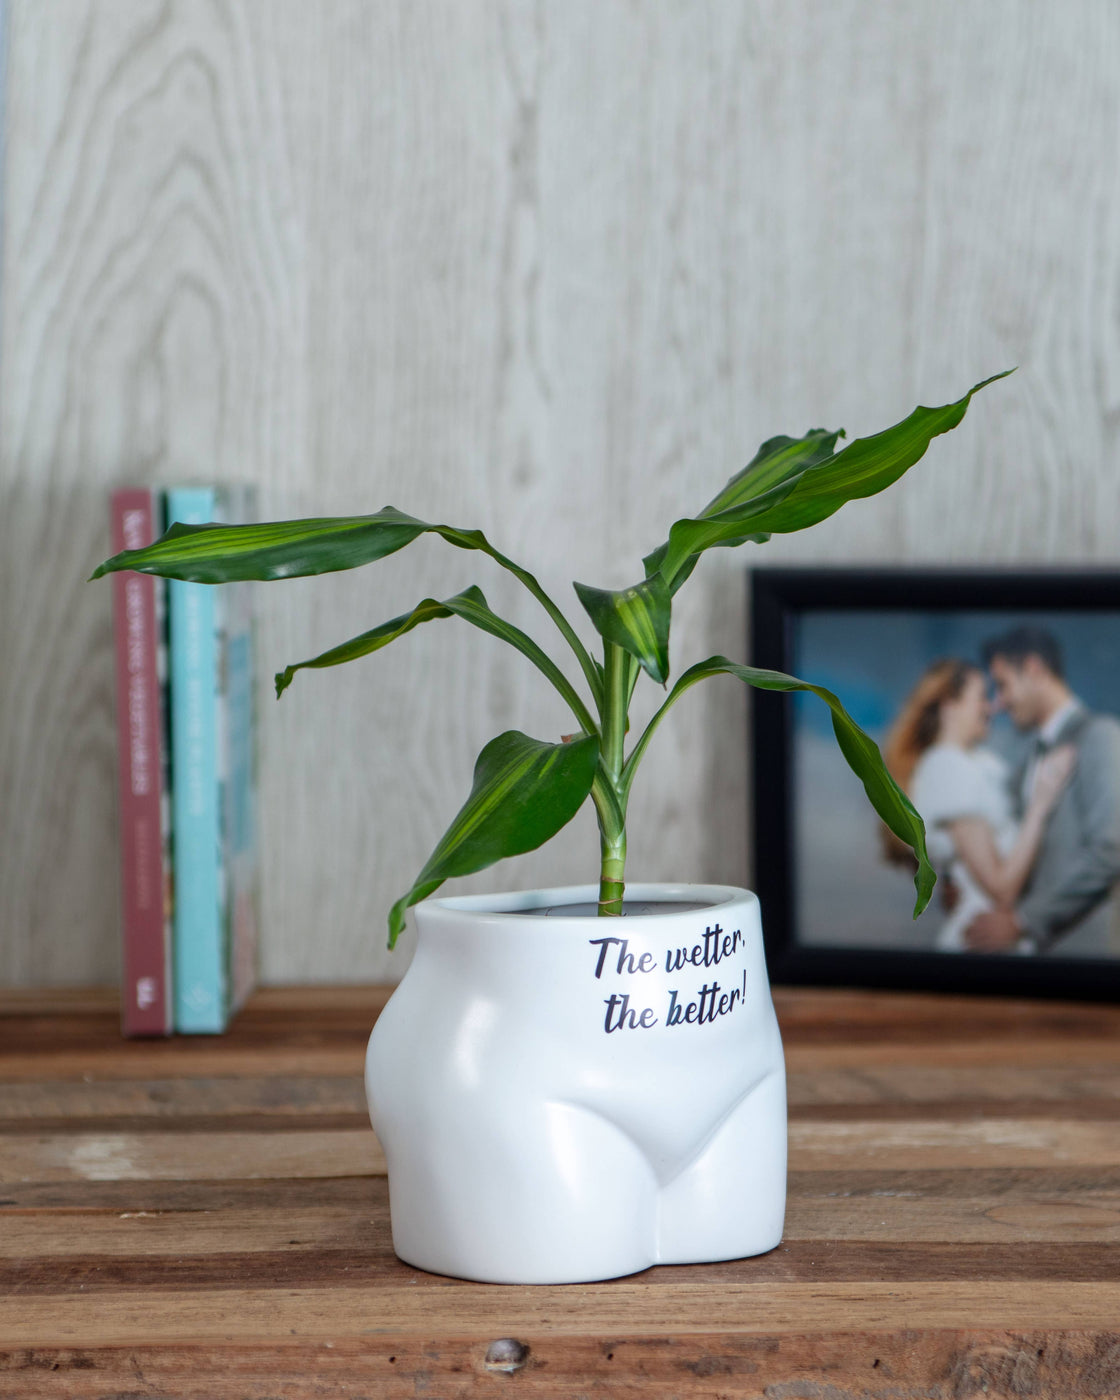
[(611, 809), (616, 693), (612, 873)]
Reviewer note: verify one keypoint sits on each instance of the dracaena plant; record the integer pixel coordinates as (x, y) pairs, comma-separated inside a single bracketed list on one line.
[(525, 790)]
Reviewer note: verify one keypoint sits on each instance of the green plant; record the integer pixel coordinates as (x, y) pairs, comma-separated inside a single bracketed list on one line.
[(526, 790)]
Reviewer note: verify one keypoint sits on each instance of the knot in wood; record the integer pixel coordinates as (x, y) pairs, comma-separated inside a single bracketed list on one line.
[(506, 1355)]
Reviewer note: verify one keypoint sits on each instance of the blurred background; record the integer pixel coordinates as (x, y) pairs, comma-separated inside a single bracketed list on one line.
[(549, 268), (846, 893)]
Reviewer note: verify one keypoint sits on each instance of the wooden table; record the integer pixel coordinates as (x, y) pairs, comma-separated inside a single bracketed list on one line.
[(207, 1217)]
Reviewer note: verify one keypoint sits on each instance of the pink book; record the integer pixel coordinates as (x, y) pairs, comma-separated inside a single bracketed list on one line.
[(138, 621)]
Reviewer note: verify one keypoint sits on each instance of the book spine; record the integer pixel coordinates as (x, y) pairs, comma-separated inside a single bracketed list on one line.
[(145, 932), (201, 994)]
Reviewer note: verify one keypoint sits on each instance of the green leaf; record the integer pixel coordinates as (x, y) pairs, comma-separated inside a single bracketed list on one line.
[(470, 605), (860, 751), (299, 548), (524, 791), (778, 459), (276, 550), (370, 641), (801, 482), (636, 619)]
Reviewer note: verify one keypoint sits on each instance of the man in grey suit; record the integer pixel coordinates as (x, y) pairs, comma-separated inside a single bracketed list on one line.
[(1078, 863)]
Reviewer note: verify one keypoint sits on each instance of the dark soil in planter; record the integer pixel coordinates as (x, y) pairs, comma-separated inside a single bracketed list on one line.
[(637, 906)]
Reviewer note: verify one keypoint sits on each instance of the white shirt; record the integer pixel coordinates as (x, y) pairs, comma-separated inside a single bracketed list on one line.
[(948, 783), (1049, 731)]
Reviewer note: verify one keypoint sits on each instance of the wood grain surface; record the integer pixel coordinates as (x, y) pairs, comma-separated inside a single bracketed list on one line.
[(210, 1220), (552, 268)]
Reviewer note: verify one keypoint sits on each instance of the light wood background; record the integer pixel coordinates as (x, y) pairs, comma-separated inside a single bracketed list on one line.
[(550, 269)]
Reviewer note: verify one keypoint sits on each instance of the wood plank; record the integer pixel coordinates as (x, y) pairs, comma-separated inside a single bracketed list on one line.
[(257, 1101), (306, 1118), (172, 1100), (806, 1014), (1031, 1142), (913, 1038), (321, 1000), (368, 1263), (976, 1055), (944, 1085), (250, 1029), (1001, 1185), (186, 1126), (628, 1307), (963, 1110), (130, 1234), (898, 1092), (933, 1364), (105, 1156), (287, 1017), (1086, 1220), (173, 1156), (211, 1193), (839, 1013), (201, 1057), (995, 1179), (123, 1061), (205, 1226), (809, 1011)]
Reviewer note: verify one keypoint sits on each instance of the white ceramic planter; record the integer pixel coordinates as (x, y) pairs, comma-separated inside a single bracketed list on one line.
[(564, 1098)]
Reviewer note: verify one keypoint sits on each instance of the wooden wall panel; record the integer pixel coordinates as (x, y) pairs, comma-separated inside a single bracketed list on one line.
[(549, 269)]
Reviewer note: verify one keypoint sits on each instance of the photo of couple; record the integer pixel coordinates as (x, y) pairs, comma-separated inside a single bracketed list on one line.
[(999, 726), (1025, 857)]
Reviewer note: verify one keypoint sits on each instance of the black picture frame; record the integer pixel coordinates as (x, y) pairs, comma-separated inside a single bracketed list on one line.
[(778, 597)]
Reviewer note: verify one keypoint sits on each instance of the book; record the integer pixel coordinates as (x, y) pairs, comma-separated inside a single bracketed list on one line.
[(139, 620), (212, 779)]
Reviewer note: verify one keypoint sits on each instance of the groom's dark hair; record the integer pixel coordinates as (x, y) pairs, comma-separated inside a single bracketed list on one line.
[(1020, 642)]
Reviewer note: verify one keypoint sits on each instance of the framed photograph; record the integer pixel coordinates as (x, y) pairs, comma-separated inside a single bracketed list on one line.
[(995, 699)]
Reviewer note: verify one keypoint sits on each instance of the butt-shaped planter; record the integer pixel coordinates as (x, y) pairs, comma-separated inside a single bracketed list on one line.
[(564, 1098)]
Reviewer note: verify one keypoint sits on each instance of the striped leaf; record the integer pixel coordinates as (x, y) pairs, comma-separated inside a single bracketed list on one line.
[(275, 550), (860, 751), (803, 482), (636, 619), (472, 607), (779, 459), (524, 791), (368, 642), (299, 548)]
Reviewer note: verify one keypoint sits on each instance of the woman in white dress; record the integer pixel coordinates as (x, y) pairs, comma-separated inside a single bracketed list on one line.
[(962, 791)]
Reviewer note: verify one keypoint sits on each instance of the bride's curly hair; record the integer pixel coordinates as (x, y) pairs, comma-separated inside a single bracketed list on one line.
[(914, 731)]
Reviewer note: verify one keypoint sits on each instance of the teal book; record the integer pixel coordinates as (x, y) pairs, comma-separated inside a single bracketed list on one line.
[(212, 780)]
